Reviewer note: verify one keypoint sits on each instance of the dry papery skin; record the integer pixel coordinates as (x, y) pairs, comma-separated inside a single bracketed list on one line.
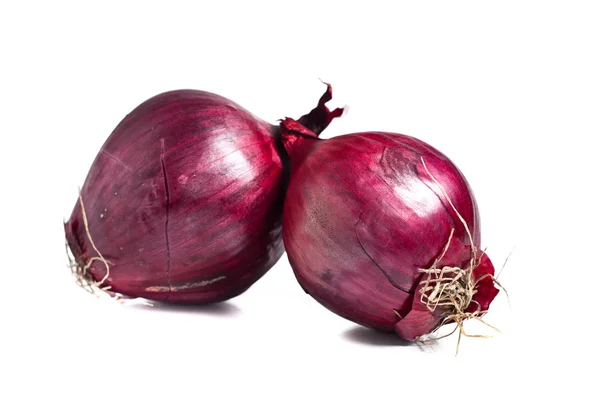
[(452, 288), (388, 257), (184, 200)]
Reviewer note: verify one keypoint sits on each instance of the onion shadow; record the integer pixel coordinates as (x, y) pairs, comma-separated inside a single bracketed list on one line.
[(219, 309), (366, 336)]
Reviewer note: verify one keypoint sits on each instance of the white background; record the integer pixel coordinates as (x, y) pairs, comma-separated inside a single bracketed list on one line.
[(510, 91)]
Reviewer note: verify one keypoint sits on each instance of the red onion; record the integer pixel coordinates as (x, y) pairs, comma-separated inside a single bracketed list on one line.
[(183, 201), (383, 230)]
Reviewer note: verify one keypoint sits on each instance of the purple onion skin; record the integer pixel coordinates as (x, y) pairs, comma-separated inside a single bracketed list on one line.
[(184, 200), (362, 216)]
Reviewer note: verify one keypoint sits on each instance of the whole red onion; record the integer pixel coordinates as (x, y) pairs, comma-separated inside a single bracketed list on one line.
[(184, 200), (373, 229)]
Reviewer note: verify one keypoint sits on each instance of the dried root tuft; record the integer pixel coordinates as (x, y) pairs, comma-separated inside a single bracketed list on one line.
[(452, 288), (81, 270)]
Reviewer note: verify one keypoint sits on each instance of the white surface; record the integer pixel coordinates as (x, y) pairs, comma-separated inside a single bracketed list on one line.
[(511, 92)]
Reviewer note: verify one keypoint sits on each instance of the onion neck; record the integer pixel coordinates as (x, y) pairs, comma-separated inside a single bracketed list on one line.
[(297, 140), (299, 136)]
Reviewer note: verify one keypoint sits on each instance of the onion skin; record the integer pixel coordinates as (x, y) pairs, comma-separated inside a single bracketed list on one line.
[(362, 216), (184, 201)]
